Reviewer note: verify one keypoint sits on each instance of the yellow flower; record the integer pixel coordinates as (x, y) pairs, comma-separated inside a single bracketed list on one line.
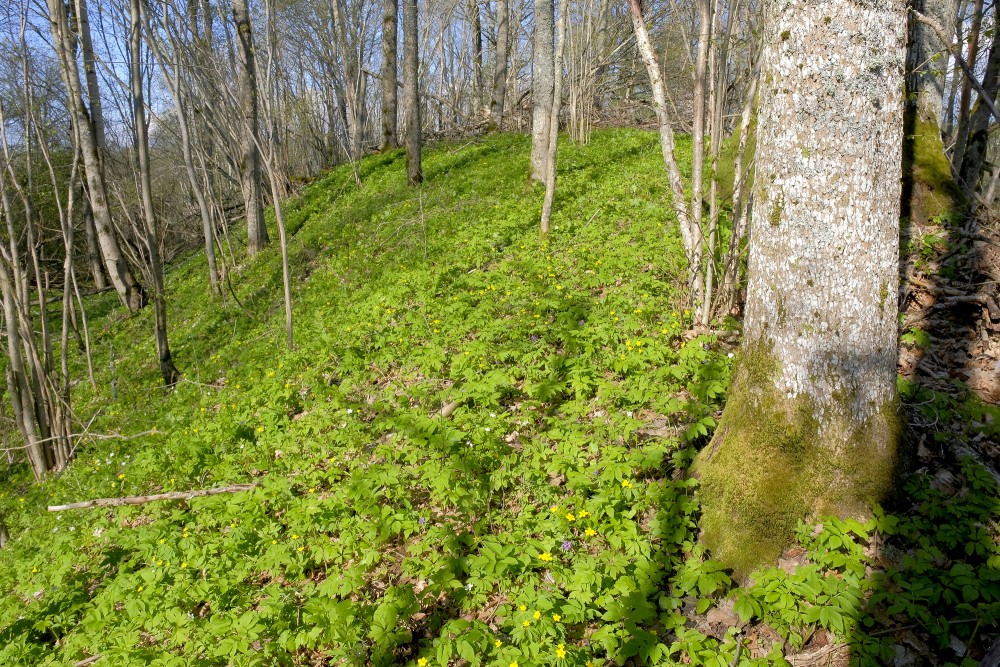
[(626, 484), (312, 490), (301, 549), (584, 513), (523, 608), (514, 664), (295, 537), (590, 532), (537, 615), (422, 662), (546, 557), (526, 624), (561, 651), (184, 565), (556, 617), (34, 570), (140, 589), (498, 643), (121, 476), (570, 517), (163, 541)]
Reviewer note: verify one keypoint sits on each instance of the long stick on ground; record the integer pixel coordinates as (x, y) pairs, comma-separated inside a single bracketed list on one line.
[(140, 500)]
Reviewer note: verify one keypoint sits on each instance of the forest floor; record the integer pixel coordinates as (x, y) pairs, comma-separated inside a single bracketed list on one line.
[(476, 452)]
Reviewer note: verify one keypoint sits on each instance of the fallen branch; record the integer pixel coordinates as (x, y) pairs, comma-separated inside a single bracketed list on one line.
[(140, 500), (87, 661)]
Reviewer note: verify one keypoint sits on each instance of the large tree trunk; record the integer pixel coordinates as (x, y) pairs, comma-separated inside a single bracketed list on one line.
[(542, 84), (411, 93), (128, 288), (250, 169), (500, 74), (389, 76), (811, 423), (167, 368)]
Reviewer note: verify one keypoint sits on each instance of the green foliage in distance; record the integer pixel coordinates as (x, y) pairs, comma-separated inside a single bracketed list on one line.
[(543, 523)]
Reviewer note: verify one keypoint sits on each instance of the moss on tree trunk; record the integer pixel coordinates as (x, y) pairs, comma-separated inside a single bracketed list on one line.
[(773, 463)]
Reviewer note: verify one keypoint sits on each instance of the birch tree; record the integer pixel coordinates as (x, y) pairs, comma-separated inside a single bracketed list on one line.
[(811, 423), (542, 86)]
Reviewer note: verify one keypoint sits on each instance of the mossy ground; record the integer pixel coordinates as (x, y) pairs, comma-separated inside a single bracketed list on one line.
[(770, 465)]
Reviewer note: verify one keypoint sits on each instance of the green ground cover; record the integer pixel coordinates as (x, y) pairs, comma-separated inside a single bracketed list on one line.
[(547, 520)]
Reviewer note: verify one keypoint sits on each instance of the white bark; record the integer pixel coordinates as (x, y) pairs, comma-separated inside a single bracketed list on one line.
[(824, 247)]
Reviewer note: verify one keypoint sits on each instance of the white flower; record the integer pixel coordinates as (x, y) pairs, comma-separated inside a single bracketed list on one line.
[(493, 415), (730, 355), (349, 411), (487, 429)]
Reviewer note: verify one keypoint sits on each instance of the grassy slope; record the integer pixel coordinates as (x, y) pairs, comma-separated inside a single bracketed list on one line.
[(404, 301), (545, 514)]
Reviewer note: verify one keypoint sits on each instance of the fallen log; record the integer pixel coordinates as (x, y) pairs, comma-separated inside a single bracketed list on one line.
[(140, 500)]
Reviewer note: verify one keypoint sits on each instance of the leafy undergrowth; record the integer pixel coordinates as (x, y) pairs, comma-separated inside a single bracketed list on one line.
[(544, 519)]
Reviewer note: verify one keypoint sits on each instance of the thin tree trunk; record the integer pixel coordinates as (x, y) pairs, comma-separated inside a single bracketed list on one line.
[(93, 249), (389, 75), (477, 58), (500, 74), (125, 284), (979, 124), (645, 48), (698, 150), (731, 264), (411, 93), (250, 168), (550, 157), (90, 75), (167, 368), (542, 84), (965, 101)]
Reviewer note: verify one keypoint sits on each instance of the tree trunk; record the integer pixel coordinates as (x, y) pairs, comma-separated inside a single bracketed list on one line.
[(550, 154), (125, 284), (411, 93), (542, 84), (90, 74), (965, 101), (167, 368), (389, 75), (250, 169), (811, 423), (500, 74), (93, 250), (645, 48), (978, 126), (698, 154), (477, 59), (927, 73)]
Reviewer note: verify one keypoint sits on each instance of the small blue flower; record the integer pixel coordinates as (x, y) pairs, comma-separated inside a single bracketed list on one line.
[(421, 521), (567, 546)]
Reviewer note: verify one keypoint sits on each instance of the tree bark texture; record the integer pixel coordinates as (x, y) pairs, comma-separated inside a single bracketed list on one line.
[(411, 93), (389, 76), (542, 86), (500, 74), (250, 169), (125, 284), (811, 423)]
